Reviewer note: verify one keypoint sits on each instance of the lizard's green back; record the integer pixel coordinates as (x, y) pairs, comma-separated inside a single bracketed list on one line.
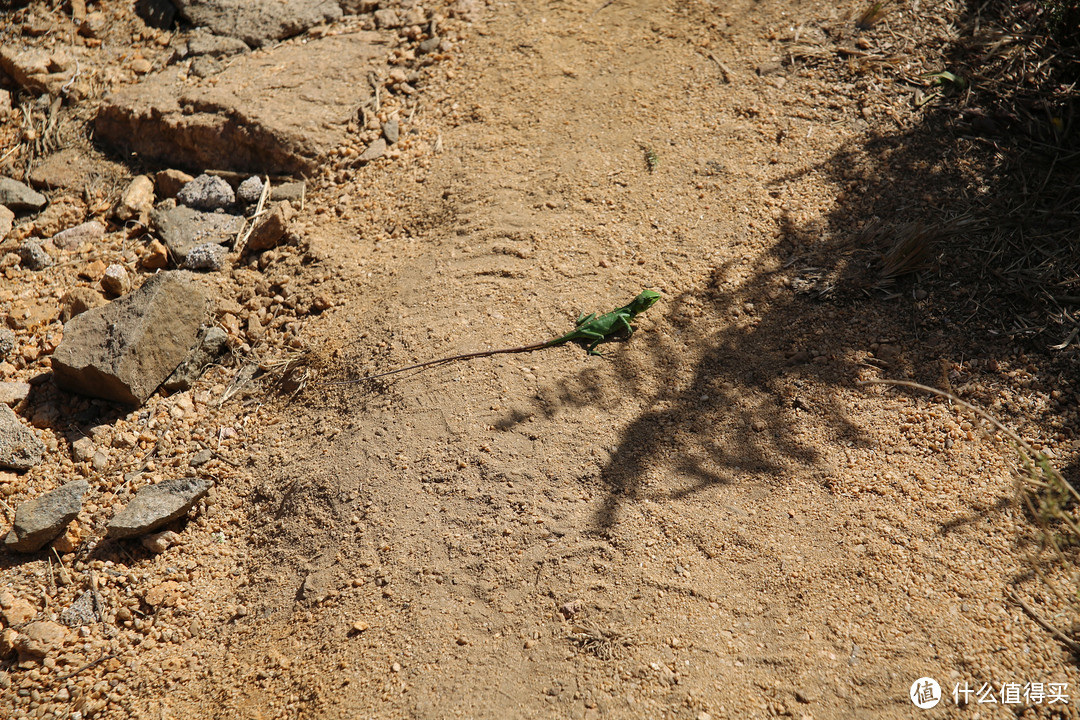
[(596, 329)]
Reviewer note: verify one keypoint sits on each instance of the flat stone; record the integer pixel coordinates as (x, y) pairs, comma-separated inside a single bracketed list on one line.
[(206, 192), (391, 131), (374, 151), (13, 393), (182, 228), (40, 520), (124, 350), (157, 505), (270, 228), (19, 197), (68, 169), (258, 22), (294, 192), (72, 238), (20, 448), (279, 112), (213, 343)]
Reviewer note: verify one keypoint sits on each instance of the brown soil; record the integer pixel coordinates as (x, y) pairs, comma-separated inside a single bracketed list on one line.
[(711, 520)]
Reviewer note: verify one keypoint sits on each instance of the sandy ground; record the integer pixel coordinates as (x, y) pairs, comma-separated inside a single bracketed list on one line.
[(712, 520)]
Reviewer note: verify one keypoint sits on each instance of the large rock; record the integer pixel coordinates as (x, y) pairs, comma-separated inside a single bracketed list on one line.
[(257, 22), (124, 350), (183, 229), (19, 197), (42, 519), (40, 640), (278, 112), (20, 448), (157, 505)]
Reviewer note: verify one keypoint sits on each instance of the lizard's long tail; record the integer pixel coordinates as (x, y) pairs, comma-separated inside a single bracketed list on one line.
[(467, 356)]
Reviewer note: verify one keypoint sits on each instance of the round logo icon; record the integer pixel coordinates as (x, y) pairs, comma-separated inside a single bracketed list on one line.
[(925, 693)]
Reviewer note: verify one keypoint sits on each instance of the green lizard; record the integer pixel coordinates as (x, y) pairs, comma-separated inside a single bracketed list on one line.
[(592, 329)]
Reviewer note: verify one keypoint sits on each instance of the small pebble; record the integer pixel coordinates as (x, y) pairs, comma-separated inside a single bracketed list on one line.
[(115, 280), (249, 191), (208, 256)]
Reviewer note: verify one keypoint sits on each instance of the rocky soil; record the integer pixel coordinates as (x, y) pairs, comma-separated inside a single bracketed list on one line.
[(215, 217)]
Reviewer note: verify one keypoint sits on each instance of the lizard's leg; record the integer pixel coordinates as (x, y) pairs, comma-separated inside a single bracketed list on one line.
[(624, 323), (596, 338), (582, 319)]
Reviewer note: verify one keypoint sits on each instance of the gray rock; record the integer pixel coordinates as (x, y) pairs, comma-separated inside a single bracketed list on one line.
[(206, 192), (19, 197), (390, 130), (215, 46), (39, 521), (264, 113), (72, 238), (429, 45), (20, 448), (374, 151), (157, 505), (293, 192), (213, 343), (201, 458), (208, 256), (258, 22), (182, 229), (124, 350), (7, 342), (83, 611), (249, 191), (32, 257)]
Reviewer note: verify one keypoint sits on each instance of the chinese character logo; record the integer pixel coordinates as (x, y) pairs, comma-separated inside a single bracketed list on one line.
[(925, 693)]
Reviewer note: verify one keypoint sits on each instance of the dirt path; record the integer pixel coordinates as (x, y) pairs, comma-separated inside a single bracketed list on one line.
[(712, 520)]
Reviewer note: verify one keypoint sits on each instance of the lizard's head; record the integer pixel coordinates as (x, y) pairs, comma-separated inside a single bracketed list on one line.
[(644, 301)]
